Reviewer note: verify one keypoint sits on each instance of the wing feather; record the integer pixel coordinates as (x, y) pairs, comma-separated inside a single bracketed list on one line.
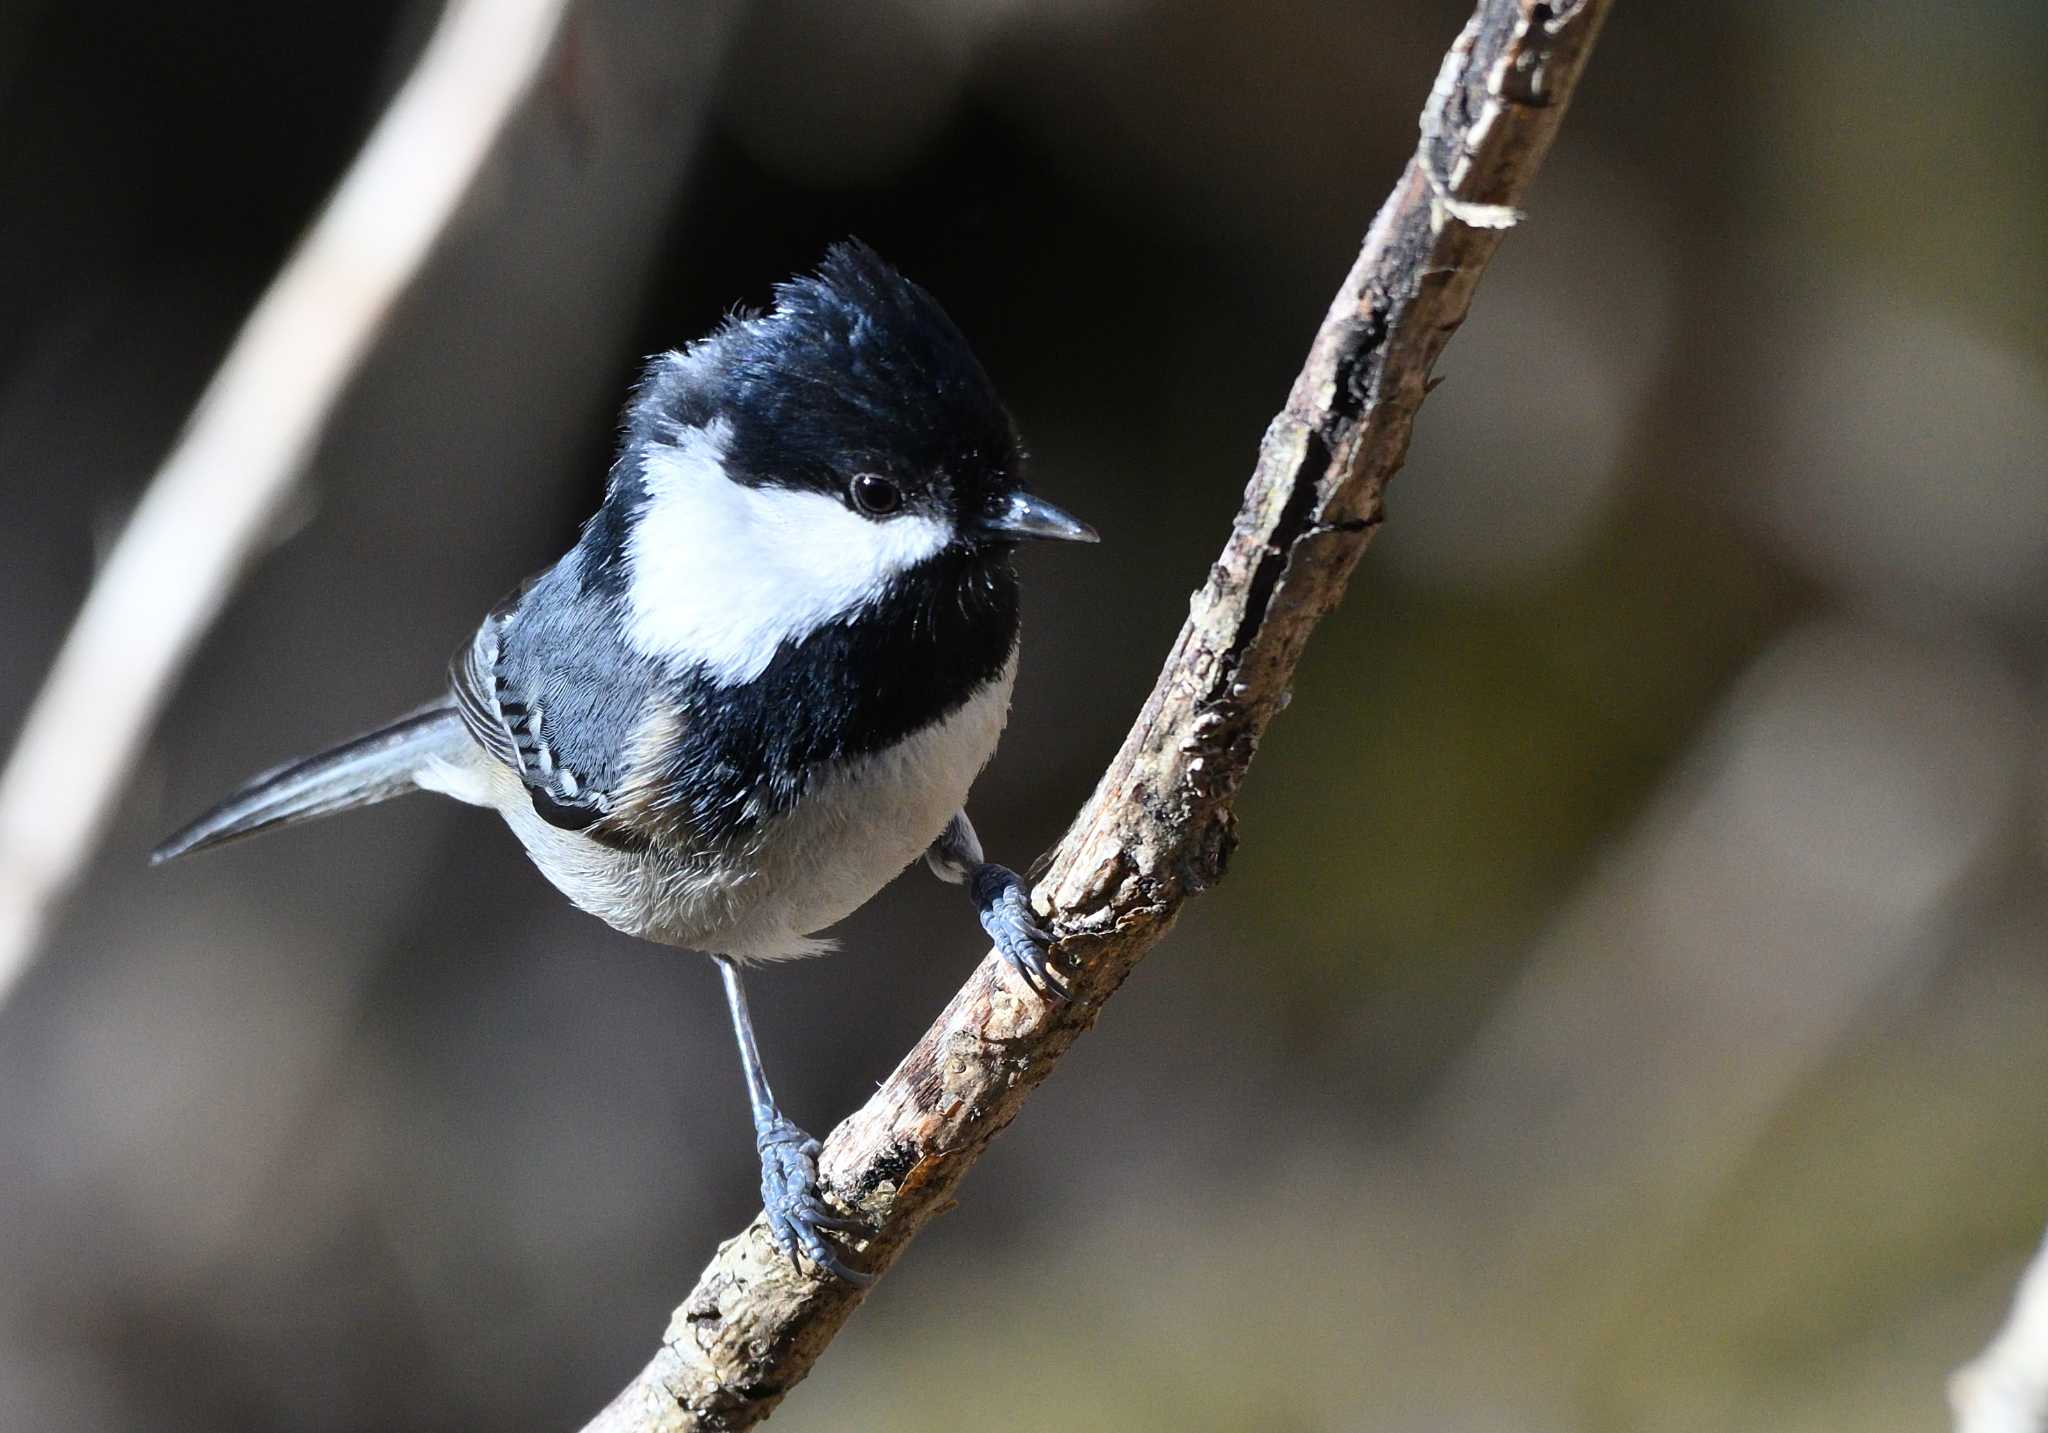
[(511, 730), (473, 677)]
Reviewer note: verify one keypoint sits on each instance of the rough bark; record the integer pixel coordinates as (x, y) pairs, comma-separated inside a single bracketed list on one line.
[(1158, 827)]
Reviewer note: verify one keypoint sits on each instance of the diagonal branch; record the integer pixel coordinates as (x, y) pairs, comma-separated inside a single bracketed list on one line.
[(1158, 828)]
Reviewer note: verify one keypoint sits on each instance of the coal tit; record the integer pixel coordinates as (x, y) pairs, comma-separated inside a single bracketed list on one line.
[(762, 681)]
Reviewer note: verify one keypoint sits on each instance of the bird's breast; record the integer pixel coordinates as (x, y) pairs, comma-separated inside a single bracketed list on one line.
[(861, 822), (881, 690)]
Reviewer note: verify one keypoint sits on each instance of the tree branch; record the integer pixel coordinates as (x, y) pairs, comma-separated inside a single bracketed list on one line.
[(1159, 827)]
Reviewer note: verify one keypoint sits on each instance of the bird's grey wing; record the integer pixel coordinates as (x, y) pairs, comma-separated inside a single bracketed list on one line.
[(473, 678), (504, 693)]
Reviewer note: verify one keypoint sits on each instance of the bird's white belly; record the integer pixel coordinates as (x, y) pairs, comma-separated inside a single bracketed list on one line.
[(765, 899)]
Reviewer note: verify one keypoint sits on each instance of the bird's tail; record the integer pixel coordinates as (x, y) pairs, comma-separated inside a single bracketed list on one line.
[(362, 772)]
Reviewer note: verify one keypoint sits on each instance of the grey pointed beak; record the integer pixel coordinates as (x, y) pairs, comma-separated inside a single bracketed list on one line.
[(1029, 516)]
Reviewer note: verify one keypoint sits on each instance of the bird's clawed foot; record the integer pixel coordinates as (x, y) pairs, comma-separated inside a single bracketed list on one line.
[(796, 1209), (1021, 939)]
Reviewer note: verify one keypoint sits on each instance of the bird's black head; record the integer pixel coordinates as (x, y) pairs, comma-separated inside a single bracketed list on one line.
[(808, 535), (857, 386), (810, 522)]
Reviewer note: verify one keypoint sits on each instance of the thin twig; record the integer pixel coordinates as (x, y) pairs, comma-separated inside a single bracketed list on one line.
[(1159, 827), (217, 496), (2005, 1388)]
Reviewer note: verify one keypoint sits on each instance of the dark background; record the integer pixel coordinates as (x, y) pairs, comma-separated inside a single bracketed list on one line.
[(1626, 1010)]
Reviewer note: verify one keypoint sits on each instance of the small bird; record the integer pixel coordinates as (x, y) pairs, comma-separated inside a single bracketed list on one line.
[(761, 682)]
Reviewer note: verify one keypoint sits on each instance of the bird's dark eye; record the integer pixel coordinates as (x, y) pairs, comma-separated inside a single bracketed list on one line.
[(877, 497)]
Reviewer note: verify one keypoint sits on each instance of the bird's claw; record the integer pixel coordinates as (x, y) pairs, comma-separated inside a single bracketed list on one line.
[(796, 1208), (1024, 943)]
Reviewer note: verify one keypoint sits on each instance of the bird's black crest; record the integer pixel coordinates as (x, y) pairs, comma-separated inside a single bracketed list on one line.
[(856, 368)]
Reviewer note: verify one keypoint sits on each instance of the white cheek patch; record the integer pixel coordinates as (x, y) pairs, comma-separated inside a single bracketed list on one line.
[(723, 574)]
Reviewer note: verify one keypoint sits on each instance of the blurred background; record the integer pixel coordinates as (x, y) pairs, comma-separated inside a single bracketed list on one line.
[(1627, 1009)]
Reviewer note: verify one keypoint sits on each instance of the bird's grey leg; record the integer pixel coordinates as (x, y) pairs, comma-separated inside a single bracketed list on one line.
[(1003, 905), (796, 1210)]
